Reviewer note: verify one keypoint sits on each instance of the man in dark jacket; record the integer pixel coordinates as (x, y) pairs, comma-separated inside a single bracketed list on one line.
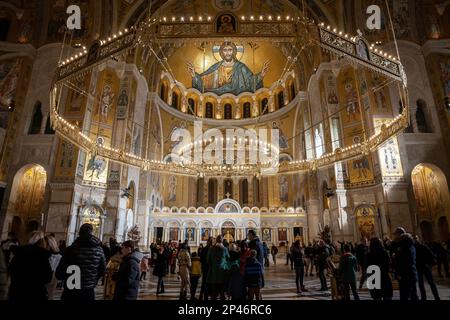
[(127, 278), (205, 269), (405, 265), (86, 253), (323, 253), (425, 260), (361, 256), (441, 259), (30, 270), (255, 244)]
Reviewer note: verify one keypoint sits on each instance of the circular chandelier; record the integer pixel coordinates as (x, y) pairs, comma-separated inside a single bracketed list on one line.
[(156, 31)]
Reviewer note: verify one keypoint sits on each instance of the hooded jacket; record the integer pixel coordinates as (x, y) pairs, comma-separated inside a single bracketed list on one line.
[(86, 252), (127, 278), (405, 258)]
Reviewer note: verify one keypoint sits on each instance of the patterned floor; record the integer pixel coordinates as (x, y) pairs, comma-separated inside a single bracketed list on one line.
[(280, 285)]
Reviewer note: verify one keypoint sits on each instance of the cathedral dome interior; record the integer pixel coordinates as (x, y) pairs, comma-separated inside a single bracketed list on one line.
[(181, 120)]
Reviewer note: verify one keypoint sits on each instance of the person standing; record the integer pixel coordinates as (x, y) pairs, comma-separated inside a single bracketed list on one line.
[(254, 277), (361, 255), (127, 278), (255, 244), (441, 259), (309, 259), (55, 258), (235, 288), (378, 256), (425, 260), (184, 264), (196, 273), (217, 262), (144, 266), (288, 253), (161, 267), (30, 270), (297, 257), (323, 253), (274, 252), (205, 269), (405, 265), (266, 255), (348, 266), (86, 253)]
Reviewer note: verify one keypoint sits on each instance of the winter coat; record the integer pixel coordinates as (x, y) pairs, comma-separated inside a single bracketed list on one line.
[(381, 258), (86, 252), (204, 259), (196, 269), (348, 266), (256, 244), (217, 262), (405, 258), (236, 287), (127, 278), (254, 275), (30, 272), (274, 251), (297, 257), (243, 261), (144, 265), (184, 259), (424, 256), (361, 254), (161, 268), (323, 253)]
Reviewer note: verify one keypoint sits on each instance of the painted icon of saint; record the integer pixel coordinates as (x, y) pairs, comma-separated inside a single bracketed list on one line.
[(229, 75)]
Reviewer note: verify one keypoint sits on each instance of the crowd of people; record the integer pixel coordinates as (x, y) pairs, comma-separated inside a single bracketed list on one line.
[(218, 270)]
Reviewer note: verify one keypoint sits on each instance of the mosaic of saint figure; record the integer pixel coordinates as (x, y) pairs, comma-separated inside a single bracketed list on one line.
[(229, 75)]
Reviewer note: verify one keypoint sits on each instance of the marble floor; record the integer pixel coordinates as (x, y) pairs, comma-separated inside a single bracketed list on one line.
[(280, 285)]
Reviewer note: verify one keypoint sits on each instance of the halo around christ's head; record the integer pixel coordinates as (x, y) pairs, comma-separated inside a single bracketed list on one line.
[(216, 52)]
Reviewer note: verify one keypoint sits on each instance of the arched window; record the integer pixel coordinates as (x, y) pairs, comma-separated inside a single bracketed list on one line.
[(325, 196), (409, 129), (209, 110), (256, 191), (162, 94), (228, 114), (280, 98), (212, 191), (265, 106), (5, 24), (36, 121), (48, 127), (175, 100), (292, 90), (244, 192), (228, 188), (421, 118), (247, 110), (191, 106), (200, 184)]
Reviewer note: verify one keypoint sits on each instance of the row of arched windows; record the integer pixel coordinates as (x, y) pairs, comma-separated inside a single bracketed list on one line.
[(228, 191), (210, 112)]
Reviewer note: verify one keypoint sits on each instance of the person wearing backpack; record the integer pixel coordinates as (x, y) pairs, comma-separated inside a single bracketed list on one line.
[(425, 260)]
